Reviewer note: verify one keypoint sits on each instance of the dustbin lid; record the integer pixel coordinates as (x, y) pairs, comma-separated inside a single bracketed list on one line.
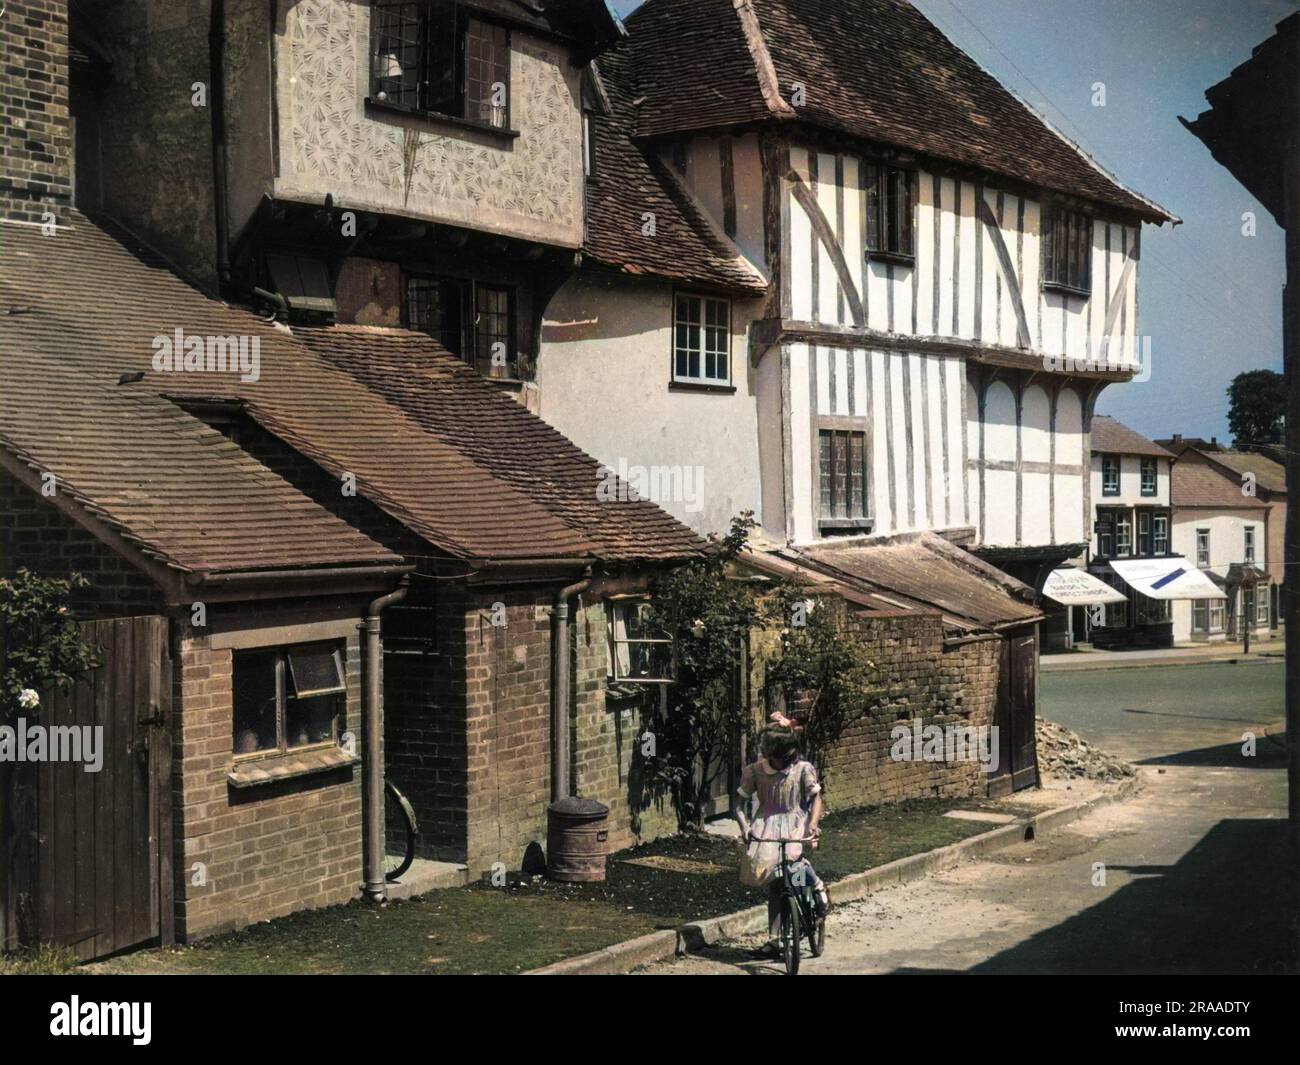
[(579, 808)]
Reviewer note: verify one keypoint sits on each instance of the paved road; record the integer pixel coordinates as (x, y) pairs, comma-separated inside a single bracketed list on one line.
[(1191, 864)]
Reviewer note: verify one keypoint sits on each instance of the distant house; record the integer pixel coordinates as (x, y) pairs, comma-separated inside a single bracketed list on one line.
[(1224, 518), (1133, 521)]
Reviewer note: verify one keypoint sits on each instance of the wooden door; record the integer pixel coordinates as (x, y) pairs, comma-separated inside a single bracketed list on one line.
[(91, 851), (1015, 713)]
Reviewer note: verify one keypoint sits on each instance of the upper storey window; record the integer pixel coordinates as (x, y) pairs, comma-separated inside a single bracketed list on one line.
[(890, 204), (430, 56), (1067, 250)]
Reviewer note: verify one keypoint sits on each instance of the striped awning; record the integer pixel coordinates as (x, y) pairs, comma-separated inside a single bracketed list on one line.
[(1167, 578)]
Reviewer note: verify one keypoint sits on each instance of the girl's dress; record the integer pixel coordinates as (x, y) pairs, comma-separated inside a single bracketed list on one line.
[(784, 799)]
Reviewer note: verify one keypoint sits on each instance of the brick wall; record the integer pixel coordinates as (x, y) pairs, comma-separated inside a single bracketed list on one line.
[(261, 852), (36, 535), (35, 135), (918, 676)]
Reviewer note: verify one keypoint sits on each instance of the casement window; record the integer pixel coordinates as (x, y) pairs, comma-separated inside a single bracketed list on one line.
[(891, 201), (287, 698), (1106, 522), (1149, 477), (1152, 611), (1218, 614), (1200, 615), (639, 651), (494, 315), (1202, 548), (1067, 250), (842, 480), (434, 56), (1110, 475), (1144, 533), (1160, 534), (1249, 555), (473, 320), (701, 340), (411, 625)]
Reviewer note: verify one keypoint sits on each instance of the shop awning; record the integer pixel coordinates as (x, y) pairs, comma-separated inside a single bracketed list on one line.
[(1071, 586), (1167, 578)]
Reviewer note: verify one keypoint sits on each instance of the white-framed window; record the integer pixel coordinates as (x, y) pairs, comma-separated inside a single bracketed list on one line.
[(701, 339), (1249, 555), (1202, 548), (1207, 615), (1149, 477), (1123, 533), (1160, 534), (1218, 614), (286, 698), (1110, 475), (639, 651), (1262, 597)]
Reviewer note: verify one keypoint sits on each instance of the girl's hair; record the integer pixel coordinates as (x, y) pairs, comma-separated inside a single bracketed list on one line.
[(779, 743)]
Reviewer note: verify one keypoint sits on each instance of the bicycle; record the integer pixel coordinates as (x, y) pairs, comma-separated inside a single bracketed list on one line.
[(799, 914), (400, 832)]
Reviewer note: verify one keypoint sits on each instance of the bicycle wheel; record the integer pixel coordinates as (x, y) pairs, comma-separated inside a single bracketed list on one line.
[(816, 925), (790, 934), (400, 831)]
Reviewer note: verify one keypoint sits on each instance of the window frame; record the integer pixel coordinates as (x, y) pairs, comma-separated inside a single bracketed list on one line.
[(452, 101), (1263, 605), (1158, 518), (512, 370), (891, 232), (1078, 237), (703, 353), (1149, 465), (284, 681), (613, 605), (467, 297), (828, 520), (1109, 462), (1143, 539), (1248, 544), (1202, 553)]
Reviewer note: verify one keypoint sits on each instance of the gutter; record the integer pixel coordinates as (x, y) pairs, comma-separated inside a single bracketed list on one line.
[(560, 687), (372, 752)]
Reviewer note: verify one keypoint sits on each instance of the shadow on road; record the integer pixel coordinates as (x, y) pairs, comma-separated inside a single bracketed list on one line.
[(1227, 907), (1270, 753)]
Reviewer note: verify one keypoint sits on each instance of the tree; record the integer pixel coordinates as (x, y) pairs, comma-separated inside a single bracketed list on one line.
[(1256, 411)]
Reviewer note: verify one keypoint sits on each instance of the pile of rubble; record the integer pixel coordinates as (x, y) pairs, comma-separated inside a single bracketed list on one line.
[(1066, 755)]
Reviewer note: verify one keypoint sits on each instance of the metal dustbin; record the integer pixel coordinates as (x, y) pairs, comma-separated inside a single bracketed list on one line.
[(577, 840)]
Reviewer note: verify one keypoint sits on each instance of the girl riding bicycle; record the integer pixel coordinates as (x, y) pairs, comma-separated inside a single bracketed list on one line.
[(789, 807)]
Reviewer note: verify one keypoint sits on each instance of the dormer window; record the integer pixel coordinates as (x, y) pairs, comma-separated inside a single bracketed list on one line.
[(432, 56), (1067, 250), (890, 206)]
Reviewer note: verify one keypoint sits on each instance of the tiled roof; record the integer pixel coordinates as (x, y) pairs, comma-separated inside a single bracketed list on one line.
[(452, 402), (927, 571), (95, 307), (876, 69), (629, 184), (1116, 438), (1268, 474), (1196, 484), (178, 491)]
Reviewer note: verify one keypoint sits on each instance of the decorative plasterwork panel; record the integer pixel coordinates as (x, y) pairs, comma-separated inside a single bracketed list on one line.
[(528, 186)]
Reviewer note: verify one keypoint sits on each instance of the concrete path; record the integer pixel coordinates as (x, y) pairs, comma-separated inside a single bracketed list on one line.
[(1193, 865)]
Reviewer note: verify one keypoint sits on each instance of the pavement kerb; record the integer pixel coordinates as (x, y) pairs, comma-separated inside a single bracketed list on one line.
[(1072, 665), (658, 946)]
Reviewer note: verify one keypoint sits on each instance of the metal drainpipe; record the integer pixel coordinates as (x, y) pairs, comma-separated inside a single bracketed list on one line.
[(376, 886), (560, 687)]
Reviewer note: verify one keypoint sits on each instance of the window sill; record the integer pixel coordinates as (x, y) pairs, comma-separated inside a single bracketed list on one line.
[(700, 386), (846, 525), (438, 118), (275, 768), (1066, 290), (898, 258)]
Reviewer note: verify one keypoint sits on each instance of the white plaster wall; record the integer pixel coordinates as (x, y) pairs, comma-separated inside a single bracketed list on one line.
[(603, 380)]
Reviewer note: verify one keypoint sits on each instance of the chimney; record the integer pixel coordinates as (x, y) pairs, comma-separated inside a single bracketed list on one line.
[(36, 132), (1178, 438)]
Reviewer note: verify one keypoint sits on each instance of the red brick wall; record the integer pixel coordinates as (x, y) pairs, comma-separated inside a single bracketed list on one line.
[(36, 535), (264, 851)]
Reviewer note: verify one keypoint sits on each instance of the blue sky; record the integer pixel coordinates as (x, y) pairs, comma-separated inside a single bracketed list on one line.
[(1210, 298)]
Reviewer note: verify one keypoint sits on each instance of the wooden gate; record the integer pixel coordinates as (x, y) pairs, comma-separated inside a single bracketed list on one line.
[(1016, 709), (90, 852)]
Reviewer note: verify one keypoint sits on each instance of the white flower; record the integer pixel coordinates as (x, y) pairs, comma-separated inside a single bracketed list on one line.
[(29, 699)]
